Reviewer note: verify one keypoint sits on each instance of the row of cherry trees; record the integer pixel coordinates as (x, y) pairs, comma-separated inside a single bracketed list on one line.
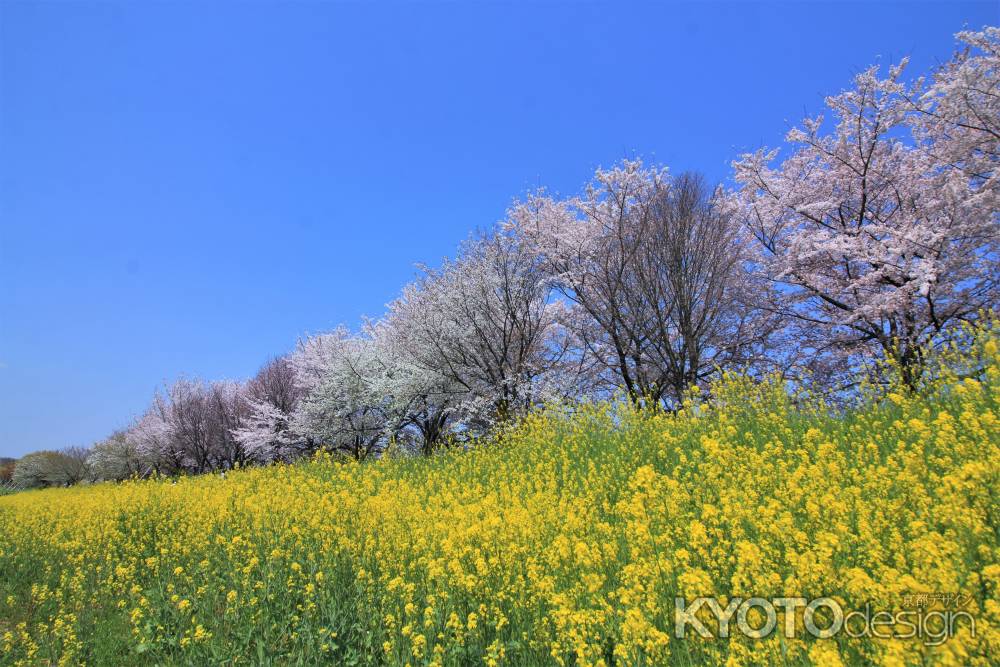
[(869, 236)]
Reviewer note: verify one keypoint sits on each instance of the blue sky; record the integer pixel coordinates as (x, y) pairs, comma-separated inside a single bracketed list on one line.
[(186, 188)]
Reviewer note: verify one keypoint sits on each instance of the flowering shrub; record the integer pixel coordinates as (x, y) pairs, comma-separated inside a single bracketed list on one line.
[(565, 541)]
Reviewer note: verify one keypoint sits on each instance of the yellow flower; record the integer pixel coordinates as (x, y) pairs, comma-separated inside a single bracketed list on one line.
[(578, 524)]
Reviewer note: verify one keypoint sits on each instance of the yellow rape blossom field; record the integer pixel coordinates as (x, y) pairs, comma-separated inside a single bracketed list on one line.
[(563, 541)]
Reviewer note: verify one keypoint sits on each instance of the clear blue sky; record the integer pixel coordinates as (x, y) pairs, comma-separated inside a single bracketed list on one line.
[(189, 187)]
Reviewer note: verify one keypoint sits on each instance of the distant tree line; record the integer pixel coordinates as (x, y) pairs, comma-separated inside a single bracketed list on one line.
[(870, 237)]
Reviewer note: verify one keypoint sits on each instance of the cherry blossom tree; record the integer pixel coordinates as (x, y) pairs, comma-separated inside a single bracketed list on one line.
[(480, 326), (337, 391), (272, 397), (150, 435), (424, 402), (876, 247), (117, 458), (227, 410), (279, 425), (655, 268), (958, 114), (191, 426), (342, 409)]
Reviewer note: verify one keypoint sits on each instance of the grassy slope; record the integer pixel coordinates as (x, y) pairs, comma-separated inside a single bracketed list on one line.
[(566, 543)]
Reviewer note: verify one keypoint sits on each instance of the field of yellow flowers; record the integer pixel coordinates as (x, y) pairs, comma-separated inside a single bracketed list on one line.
[(563, 542)]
